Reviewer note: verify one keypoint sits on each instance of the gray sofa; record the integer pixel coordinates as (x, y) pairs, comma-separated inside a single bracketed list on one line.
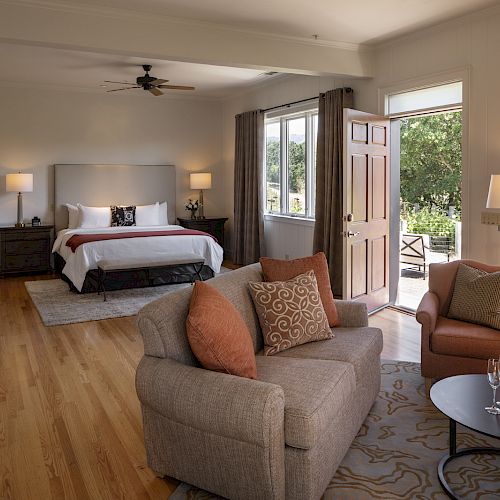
[(281, 436)]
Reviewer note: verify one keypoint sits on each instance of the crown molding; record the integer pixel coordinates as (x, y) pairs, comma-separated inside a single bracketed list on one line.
[(162, 19)]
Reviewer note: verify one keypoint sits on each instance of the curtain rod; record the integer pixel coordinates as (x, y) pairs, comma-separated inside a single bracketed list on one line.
[(347, 89)]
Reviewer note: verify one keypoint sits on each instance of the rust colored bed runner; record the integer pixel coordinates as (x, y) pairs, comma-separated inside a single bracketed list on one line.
[(79, 239)]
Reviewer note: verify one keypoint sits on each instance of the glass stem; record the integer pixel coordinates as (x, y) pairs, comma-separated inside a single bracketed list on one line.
[(494, 397)]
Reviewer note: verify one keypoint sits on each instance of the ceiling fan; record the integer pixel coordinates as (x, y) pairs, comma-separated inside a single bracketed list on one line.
[(149, 83)]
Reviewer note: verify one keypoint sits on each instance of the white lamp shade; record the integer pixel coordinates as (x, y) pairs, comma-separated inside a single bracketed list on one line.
[(200, 180), (19, 183), (494, 192)]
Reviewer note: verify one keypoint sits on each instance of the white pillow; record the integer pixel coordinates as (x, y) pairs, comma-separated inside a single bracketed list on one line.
[(147, 215), (94, 216), (163, 215), (73, 215)]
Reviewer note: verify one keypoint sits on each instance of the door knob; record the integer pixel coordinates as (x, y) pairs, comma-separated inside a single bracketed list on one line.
[(350, 234)]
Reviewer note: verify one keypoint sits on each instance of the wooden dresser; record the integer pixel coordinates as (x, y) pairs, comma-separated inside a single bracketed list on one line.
[(211, 225), (25, 250)]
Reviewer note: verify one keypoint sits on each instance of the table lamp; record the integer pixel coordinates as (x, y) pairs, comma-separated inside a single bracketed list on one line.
[(19, 183), (494, 193), (201, 181)]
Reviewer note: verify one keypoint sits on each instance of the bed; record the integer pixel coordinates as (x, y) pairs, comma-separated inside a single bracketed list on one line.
[(106, 185)]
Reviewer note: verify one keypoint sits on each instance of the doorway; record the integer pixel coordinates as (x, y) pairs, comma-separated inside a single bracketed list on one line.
[(430, 208)]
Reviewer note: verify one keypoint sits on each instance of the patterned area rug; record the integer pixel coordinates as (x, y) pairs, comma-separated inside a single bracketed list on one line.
[(396, 452), (58, 305)]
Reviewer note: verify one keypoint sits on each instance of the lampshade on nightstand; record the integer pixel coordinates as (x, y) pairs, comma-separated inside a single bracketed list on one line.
[(201, 181), (19, 183), (494, 192)]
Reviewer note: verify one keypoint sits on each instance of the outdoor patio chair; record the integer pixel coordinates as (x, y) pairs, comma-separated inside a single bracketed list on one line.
[(414, 248)]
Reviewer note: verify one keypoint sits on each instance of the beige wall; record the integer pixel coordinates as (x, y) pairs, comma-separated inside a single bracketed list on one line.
[(42, 127), (471, 43)]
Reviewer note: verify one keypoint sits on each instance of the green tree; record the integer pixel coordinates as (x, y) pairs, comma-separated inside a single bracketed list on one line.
[(431, 160), (296, 163), (297, 167)]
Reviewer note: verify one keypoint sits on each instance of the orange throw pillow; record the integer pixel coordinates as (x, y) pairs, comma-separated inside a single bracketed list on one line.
[(284, 270), (217, 334)]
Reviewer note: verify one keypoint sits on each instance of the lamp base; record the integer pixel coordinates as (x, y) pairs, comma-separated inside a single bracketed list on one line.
[(20, 224)]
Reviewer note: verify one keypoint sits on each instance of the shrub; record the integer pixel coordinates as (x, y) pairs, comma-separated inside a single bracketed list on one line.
[(433, 222)]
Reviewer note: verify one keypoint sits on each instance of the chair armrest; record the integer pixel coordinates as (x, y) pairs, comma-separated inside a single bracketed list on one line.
[(234, 407), (351, 313), (428, 311)]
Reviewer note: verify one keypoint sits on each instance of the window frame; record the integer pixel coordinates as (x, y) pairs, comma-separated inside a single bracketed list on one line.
[(283, 117)]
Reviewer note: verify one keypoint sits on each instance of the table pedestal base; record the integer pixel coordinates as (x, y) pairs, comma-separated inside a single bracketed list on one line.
[(455, 454)]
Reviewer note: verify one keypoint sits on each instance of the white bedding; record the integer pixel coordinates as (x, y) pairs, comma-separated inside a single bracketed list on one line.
[(87, 255)]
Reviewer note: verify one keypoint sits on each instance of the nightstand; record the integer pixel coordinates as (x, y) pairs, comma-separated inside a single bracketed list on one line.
[(211, 225), (25, 250)]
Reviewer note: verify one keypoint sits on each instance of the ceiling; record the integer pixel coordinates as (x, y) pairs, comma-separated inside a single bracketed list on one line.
[(42, 66), (355, 21)]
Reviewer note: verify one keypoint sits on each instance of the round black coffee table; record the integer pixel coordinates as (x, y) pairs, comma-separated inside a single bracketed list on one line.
[(462, 399)]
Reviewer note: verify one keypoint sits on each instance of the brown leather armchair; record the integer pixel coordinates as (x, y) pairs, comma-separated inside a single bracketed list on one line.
[(450, 347)]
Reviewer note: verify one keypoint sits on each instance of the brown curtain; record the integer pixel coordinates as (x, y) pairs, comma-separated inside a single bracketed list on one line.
[(248, 202), (329, 174)]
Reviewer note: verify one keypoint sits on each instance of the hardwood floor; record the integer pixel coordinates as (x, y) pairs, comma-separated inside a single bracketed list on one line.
[(70, 421)]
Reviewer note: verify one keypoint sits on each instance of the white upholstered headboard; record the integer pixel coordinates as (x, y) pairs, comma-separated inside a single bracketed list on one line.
[(104, 185)]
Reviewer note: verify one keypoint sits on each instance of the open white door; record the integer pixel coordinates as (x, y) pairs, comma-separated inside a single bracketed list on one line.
[(366, 192)]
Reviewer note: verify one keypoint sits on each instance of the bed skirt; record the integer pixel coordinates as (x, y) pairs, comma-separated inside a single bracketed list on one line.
[(135, 278)]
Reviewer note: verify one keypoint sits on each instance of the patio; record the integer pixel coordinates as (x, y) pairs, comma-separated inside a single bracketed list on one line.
[(412, 286)]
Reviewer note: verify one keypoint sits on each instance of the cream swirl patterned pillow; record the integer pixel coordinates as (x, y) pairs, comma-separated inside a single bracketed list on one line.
[(290, 312)]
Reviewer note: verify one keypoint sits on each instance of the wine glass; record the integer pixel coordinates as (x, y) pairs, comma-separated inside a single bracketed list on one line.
[(494, 381)]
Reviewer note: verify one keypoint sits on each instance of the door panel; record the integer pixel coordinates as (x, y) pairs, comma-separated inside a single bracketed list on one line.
[(359, 209), (366, 208), (378, 271), (360, 132), (359, 280), (378, 187)]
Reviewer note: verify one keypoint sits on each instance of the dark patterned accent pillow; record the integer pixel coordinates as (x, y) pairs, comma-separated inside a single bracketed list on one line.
[(476, 297), (290, 312), (122, 216)]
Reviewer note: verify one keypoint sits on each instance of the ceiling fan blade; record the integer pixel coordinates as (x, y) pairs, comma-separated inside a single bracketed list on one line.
[(120, 83), (156, 91), (124, 88), (159, 81), (176, 87)]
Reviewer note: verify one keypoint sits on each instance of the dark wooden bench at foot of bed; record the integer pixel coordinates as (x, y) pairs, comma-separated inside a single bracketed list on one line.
[(166, 262), (137, 278)]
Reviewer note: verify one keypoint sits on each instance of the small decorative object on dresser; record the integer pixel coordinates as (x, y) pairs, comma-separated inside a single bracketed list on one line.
[(210, 225), (25, 250), (192, 206)]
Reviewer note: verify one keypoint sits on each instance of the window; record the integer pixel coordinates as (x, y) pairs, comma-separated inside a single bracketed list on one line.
[(448, 95), (290, 163)]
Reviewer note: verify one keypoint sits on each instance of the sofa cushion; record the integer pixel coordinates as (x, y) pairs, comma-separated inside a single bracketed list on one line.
[(290, 312), (284, 270), (350, 345), (476, 297), (217, 334), (314, 392), (458, 338)]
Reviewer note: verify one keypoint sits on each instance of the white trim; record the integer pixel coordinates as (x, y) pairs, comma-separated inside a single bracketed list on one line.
[(462, 74), (288, 219), (432, 80), (160, 18)]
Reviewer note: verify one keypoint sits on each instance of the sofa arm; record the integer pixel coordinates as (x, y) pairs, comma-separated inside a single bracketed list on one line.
[(233, 407), (352, 314), (428, 311)]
